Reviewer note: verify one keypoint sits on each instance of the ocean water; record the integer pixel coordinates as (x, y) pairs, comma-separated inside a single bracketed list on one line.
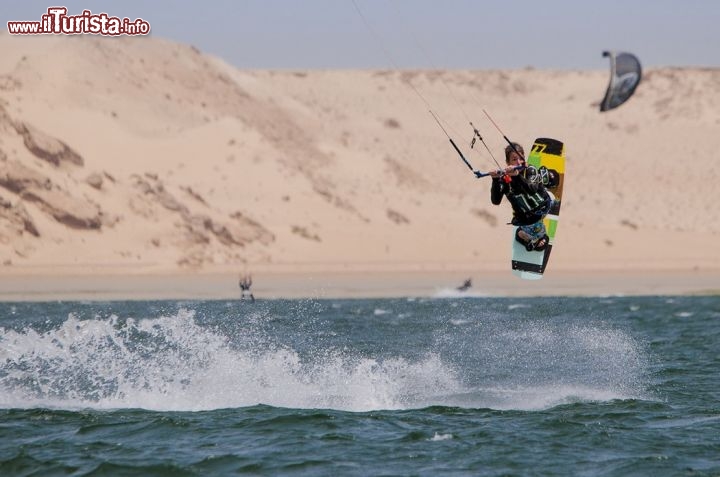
[(437, 386)]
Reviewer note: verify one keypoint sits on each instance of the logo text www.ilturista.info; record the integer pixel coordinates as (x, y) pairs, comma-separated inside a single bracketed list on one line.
[(57, 22)]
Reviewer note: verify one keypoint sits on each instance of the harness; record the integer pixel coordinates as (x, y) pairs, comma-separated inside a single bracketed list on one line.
[(523, 198), (530, 201)]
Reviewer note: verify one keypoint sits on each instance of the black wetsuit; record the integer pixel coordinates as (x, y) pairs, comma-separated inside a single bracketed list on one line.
[(529, 199)]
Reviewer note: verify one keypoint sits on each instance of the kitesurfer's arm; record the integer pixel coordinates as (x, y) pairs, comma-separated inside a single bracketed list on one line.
[(497, 190)]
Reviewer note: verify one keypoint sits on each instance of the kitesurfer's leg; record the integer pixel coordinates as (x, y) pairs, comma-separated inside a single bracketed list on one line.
[(540, 238), (533, 236), (524, 236), (542, 243)]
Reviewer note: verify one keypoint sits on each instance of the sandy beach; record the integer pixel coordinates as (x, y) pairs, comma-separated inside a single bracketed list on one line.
[(310, 285), (139, 168)]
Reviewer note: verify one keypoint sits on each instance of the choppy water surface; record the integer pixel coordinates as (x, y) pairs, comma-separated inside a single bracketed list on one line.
[(489, 386)]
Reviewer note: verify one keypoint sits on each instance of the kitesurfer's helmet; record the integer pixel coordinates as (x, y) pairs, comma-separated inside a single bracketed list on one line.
[(510, 149)]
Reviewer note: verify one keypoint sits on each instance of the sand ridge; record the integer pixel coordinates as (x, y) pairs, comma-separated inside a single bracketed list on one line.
[(137, 156)]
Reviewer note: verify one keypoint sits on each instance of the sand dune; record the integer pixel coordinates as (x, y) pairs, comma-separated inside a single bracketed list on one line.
[(140, 156)]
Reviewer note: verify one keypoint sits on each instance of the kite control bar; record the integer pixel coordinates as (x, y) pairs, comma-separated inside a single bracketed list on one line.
[(477, 135), (505, 176), (477, 173)]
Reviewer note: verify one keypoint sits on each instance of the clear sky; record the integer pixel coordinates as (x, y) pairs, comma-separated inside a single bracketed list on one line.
[(474, 34)]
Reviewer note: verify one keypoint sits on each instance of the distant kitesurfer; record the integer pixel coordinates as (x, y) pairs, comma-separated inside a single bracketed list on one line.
[(465, 286), (524, 188), (245, 283)]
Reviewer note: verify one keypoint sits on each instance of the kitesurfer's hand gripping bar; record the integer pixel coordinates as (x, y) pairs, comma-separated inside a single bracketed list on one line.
[(479, 174)]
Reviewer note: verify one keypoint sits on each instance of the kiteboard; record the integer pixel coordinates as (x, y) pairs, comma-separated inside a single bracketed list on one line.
[(549, 154)]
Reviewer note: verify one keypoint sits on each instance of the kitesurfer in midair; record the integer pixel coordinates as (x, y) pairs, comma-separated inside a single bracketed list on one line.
[(524, 188)]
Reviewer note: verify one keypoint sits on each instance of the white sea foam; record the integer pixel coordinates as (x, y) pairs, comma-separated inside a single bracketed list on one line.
[(534, 398), (455, 293), (174, 364), (171, 363)]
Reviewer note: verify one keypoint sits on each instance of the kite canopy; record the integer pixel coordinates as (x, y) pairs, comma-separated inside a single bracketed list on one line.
[(625, 73)]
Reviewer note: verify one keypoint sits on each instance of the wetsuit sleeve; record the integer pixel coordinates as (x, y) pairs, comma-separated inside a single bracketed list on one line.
[(497, 190)]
